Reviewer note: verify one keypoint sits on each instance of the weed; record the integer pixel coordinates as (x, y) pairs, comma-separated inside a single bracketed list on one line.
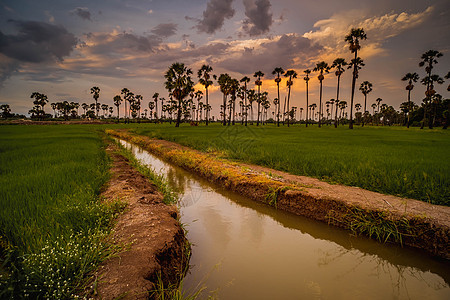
[(272, 195)]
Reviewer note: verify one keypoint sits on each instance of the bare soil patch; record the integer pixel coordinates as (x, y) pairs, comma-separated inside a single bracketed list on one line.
[(428, 225), (152, 231)]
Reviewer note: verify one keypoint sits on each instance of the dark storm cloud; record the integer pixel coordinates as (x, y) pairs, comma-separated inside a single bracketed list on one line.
[(7, 68), (259, 18), (82, 12), (37, 42), (272, 54), (165, 29), (108, 44), (214, 16)]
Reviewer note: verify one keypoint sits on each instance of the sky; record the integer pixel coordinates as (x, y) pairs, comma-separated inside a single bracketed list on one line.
[(63, 48)]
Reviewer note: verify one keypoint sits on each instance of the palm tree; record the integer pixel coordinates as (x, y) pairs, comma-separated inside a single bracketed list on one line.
[(313, 107), (117, 101), (410, 77), (245, 80), (155, 98), (258, 82), (151, 106), (278, 71), (251, 99), (353, 38), (138, 99), (127, 97), (179, 83), (95, 90), (291, 74), (365, 88), (204, 79), (321, 67), (224, 83), (339, 64), (84, 106), (306, 78), (428, 59)]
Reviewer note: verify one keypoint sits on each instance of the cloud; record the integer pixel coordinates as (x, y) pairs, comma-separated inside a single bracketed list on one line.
[(120, 44), (287, 51), (165, 29), (331, 32), (214, 16), (8, 67), (37, 42), (82, 12), (259, 17)]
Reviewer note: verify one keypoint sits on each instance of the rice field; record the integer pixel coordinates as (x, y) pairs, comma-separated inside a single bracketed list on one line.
[(410, 162), (53, 228)]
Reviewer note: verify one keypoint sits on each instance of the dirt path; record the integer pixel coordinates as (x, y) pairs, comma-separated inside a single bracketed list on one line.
[(150, 227), (407, 221)]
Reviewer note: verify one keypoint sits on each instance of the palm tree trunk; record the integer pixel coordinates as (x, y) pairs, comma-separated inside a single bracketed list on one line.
[(278, 106), (206, 112), (320, 105), (289, 96), (350, 126), (259, 103), (409, 107), (306, 104), (365, 103)]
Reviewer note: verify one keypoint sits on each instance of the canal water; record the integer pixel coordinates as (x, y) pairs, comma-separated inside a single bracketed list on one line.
[(242, 249)]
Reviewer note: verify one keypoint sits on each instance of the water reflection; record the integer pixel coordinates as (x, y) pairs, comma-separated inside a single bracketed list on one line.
[(265, 253)]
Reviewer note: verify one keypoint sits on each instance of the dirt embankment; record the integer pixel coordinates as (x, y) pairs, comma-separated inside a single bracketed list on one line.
[(157, 244), (406, 221)]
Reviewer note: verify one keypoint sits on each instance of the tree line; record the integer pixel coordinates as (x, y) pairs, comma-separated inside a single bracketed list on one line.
[(184, 104)]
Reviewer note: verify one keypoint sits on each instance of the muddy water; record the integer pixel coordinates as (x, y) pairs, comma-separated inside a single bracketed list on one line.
[(247, 250)]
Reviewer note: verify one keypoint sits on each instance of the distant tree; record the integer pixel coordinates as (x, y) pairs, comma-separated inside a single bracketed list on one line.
[(291, 74), (306, 78), (85, 107), (155, 98), (204, 75), (278, 71), (128, 96), (95, 91), (322, 67), (258, 83), (138, 100), (224, 84), (105, 109), (429, 58), (245, 80), (6, 111), (365, 88), (117, 101), (179, 83), (40, 100), (338, 64), (353, 39), (410, 77)]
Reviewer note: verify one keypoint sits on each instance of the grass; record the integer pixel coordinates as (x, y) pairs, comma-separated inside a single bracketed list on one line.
[(53, 228), (410, 163)]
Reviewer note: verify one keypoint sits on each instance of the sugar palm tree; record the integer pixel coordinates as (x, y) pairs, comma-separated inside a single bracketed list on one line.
[(428, 59), (155, 98), (278, 71), (365, 88), (338, 64), (410, 77), (138, 100), (151, 106), (224, 84), (245, 80), (125, 92), (179, 83), (205, 80), (95, 90), (353, 39), (306, 78), (258, 82), (291, 74), (322, 67)]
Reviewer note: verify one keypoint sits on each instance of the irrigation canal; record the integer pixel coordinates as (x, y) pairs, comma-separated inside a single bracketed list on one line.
[(247, 250)]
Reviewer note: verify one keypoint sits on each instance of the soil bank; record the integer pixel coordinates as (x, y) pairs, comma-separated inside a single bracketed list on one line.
[(388, 218), (156, 243)]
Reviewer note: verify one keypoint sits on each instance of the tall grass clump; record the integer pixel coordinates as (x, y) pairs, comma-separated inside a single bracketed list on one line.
[(53, 228), (391, 160)]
